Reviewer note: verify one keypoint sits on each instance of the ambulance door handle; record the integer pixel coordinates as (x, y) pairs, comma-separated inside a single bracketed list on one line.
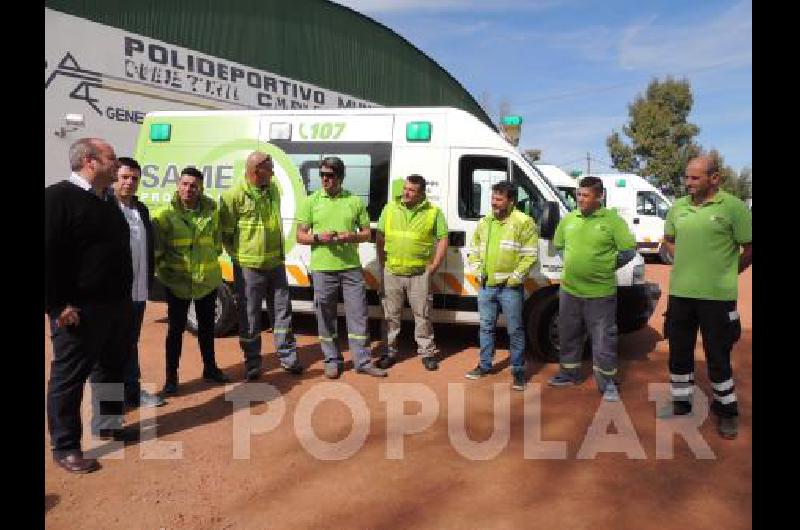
[(457, 238), (636, 220)]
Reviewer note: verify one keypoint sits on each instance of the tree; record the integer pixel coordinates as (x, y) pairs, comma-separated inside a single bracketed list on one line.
[(661, 138), (740, 185)]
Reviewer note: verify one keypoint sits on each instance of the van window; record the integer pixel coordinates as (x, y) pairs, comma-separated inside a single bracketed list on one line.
[(366, 168), (529, 198), (569, 196), (476, 176), (649, 203)]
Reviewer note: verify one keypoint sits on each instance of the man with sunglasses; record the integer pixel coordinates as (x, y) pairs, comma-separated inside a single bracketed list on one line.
[(334, 221), (250, 225)]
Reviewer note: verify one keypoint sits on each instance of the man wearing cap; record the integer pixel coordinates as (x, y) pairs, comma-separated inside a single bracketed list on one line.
[(252, 234), (334, 221)]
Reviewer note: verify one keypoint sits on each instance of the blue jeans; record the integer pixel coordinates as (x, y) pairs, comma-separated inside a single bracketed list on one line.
[(490, 301)]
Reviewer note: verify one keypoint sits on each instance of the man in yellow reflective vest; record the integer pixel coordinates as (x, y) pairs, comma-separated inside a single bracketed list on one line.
[(187, 249), (503, 250), (251, 231), (410, 228)]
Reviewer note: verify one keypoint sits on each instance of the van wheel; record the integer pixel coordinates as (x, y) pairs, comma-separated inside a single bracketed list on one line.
[(225, 313), (542, 328)]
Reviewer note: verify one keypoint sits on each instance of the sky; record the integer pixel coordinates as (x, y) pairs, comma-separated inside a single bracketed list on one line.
[(570, 68)]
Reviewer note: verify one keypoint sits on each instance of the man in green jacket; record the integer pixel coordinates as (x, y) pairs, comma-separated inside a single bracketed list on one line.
[(503, 250), (250, 226), (187, 249), (411, 245)]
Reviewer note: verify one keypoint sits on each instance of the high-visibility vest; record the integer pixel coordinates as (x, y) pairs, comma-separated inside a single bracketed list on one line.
[(187, 248), (250, 225), (409, 236), (516, 253)]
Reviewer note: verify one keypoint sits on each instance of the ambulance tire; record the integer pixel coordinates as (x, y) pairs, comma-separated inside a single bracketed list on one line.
[(542, 327), (663, 255), (225, 313)]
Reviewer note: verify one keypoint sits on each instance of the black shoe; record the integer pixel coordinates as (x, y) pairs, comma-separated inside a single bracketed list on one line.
[(728, 427), (519, 381), (430, 363), (118, 435), (253, 373), (215, 376), (75, 463), (170, 388), (295, 369), (477, 373), (385, 362)]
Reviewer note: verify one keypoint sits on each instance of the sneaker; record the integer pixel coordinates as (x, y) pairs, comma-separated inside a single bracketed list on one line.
[(332, 371), (385, 362), (374, 371), (674, 409), (430, 363), (253, 373), (728, 427), (519, 381), (215, 375), (562, 379), (170, 388), (611, 393), (295, 369), (477, 373), (147, 400)]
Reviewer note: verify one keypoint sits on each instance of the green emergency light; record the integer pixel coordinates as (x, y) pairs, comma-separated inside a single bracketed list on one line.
[(513, 121), (418, 131), (621, 183), (575, 173), (160, 132)]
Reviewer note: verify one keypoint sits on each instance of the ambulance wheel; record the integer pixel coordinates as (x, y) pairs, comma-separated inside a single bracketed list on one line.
[(542, 328), (225, 313)]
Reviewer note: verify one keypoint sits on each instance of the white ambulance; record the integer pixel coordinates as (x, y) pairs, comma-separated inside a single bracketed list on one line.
[(642, 206), (566, 186), (460, 157)]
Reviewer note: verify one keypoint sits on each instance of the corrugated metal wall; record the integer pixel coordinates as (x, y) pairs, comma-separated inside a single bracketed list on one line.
[(314, 41)]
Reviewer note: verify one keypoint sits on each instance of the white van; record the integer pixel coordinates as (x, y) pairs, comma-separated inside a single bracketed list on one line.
[(459, 156), (566, 186), (642, 206)]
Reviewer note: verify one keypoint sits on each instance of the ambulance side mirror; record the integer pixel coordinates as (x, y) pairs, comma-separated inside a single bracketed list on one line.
[(549, 220)]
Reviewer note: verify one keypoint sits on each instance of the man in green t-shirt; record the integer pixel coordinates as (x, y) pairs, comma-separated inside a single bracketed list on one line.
[(704, 233), (595, 242), (411, 245), (334, 221)]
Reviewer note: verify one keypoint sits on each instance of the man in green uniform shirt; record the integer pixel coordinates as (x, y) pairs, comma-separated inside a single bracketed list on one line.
[(704, 232), (334, 221), (595, 242)]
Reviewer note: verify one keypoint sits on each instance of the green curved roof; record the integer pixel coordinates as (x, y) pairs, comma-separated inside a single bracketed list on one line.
[(315, 41)]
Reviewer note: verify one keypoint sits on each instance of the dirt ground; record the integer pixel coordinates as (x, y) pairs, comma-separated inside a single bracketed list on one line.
[(283, 485)]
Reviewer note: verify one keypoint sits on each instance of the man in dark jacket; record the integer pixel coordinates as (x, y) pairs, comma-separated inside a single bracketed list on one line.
[(141, 240), (88, 280)]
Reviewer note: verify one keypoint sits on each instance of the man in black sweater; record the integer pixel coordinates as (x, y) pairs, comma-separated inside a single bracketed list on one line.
[(88, 280)]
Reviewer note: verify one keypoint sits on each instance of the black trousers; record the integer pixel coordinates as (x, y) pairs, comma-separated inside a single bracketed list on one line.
[(720, 326), (98, 346), (177, 310)]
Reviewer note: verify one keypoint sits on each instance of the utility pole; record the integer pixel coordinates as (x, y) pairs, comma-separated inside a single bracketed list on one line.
[(588, 165)]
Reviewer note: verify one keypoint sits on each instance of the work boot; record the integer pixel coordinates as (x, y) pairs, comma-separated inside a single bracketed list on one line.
[(673, 409), (385, 362), (477, 373), (728, 427), (215, 375), (374, 371), (332, 371), (430, 363), (519, 381), (562, 379)]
